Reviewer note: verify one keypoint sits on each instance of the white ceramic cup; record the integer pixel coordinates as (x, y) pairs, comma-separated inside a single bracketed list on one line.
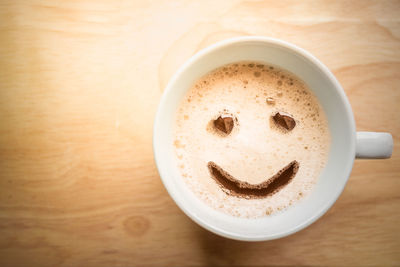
[(346, 142)]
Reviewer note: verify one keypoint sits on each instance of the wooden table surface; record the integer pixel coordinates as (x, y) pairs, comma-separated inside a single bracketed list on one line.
[(80, 82)]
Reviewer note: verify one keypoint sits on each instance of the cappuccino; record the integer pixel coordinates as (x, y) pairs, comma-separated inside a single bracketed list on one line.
[(250, 139)]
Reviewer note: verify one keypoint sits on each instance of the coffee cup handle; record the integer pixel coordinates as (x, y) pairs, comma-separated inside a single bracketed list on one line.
[(373, 145)]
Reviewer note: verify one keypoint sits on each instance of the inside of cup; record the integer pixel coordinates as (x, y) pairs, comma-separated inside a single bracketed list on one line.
[(332, 99)]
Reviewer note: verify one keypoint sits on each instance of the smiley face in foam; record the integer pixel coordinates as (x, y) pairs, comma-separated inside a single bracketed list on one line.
[(250, 139), (224, 125)]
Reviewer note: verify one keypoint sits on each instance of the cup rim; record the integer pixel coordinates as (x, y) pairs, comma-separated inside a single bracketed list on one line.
[(169, 89)]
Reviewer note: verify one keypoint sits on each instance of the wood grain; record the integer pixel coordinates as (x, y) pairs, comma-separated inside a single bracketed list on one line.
[(80, 82)]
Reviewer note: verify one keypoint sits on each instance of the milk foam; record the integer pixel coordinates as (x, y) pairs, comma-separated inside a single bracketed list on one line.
[(256, 149)]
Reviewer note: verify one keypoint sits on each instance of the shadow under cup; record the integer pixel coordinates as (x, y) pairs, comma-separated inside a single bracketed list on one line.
[(332, 99)]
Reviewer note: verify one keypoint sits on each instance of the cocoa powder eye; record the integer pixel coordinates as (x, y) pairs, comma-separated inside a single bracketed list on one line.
[(284, 121), (224, 123)]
